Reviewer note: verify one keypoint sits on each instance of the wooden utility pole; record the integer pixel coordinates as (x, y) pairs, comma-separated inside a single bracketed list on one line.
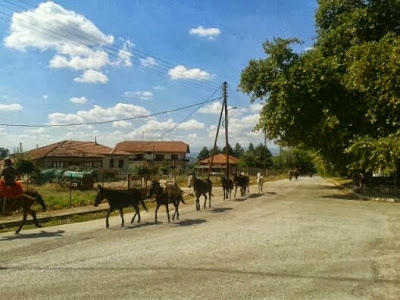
[(223, 109), (225, 95)]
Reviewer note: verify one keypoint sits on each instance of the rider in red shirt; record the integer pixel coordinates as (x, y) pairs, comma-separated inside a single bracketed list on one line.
[(8, 187), (9, 173)]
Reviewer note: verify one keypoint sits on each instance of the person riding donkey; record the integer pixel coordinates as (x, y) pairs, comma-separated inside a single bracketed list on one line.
[(9, 188)]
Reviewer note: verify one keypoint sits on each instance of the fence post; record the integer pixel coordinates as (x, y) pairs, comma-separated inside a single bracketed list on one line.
[(70, 190)]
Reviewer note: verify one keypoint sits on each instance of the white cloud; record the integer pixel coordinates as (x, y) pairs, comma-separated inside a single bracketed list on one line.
[(10, 107), (78, 100), (93, 60), (148, 61), (76, 41), (180, 72), (210, 33), (190, 125), (91, 76), (125, 55), (255, 107), (143, 95), (212, 108), (45, 97), (121, 124), (97, 113)]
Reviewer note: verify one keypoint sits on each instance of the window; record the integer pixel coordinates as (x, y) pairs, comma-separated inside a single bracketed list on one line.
[(111, 163), (57, 165), (174, 157), (159, 157), (120, 163)]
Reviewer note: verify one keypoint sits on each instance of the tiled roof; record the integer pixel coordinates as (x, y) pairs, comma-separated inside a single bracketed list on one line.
[(152, 146), (220, 159), (70, 148)]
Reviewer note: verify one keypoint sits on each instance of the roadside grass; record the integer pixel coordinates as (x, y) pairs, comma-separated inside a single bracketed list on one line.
[(57, 197), (150, 204), (375, 192)]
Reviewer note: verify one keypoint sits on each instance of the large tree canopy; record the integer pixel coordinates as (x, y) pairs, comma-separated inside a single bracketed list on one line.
[(347, 87)]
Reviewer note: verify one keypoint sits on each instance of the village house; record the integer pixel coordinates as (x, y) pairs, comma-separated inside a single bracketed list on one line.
[(81, 154), (155, 154), (218, 165)]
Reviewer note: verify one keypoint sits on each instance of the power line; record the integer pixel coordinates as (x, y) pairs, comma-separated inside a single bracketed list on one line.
[(173, 128), (110, 121), (162, 68)]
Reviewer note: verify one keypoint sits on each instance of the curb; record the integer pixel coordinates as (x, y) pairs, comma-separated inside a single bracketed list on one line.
[(13, 223), (365, 198)]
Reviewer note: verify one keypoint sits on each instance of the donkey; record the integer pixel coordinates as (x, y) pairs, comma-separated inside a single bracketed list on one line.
[(201, 187), (118, 199), (227, 187), (25, 202), (171, 194), (260, 182), (241, 181)]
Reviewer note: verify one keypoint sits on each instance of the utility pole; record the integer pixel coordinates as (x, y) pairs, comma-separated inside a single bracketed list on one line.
[(216, 135), (225, 95)]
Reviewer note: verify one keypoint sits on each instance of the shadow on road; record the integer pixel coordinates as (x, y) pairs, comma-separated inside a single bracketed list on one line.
[(190, 222), (220, 209), (240, 199), (40, 234), (140, 225), (343, 197)]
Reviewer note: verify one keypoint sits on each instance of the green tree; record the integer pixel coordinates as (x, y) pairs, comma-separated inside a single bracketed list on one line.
[(250, 148), (238, 150), (4, 152), (345, 87), (230, 150), (204, 153), (24, 166)]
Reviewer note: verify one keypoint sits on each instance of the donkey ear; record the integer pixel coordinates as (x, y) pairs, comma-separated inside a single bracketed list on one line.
[(99, 187)]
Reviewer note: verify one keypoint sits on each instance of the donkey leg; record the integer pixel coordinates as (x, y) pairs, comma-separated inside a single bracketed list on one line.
[(137, 213), (22, 223), (167, 209), (108, 214), (33, 214), (176, 212), (121, 212), (205, 201), (155, 213)]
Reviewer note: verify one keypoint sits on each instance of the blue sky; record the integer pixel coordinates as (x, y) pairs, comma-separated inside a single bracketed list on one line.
[(135, 70)]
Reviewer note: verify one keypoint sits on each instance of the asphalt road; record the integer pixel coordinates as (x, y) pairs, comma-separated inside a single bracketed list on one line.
[(301, 239)]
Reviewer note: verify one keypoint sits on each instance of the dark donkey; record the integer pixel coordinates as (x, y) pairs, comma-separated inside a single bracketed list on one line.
[(201, 187), (118, 199), (227, 187), (241, 181), (25, 202), (171, 194)]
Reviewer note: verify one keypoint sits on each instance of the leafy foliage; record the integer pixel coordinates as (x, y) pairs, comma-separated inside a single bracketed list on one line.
[(4, 152), (24, 166), (343, 89)]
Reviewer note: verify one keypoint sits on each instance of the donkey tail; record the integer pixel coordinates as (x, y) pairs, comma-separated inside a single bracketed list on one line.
[(144, 206)]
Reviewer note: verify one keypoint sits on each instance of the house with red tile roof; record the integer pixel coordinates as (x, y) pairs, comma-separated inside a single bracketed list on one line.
[(218, 164), (123, 157), (154, 154), (85, 155)]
